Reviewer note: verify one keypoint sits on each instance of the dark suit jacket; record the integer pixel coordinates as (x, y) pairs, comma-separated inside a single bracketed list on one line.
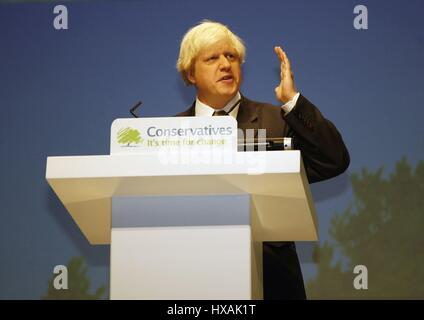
[(324, 156), (323, 150)]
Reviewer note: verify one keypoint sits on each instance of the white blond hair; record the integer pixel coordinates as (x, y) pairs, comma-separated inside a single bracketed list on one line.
[(202, 36)]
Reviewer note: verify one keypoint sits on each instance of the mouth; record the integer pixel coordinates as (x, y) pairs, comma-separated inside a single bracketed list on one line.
[(227, 78)]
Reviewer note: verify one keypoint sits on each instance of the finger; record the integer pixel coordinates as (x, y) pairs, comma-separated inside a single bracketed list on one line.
[(285, 63), (279, 53), (284, 68), (283, 73), (277, 90), (286, 60)]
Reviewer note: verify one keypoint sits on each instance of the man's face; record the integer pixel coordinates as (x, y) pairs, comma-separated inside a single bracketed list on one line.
[(217, 74)]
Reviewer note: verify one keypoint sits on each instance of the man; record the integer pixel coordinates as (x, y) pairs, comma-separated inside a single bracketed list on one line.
[(210, 59)]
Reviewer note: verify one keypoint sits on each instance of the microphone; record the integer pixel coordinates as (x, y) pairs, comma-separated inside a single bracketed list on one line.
[(284, 143), (135, 107)]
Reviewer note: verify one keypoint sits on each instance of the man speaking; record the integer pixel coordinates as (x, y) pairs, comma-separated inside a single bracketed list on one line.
[(210, 59)]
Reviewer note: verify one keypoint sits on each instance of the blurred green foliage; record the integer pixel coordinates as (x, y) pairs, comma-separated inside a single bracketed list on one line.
[(78, 284), (383, 230)]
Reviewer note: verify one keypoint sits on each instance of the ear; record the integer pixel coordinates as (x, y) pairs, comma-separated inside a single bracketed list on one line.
[(190, 76)]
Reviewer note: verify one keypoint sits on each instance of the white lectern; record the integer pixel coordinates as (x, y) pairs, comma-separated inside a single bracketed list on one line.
[(182, 230)]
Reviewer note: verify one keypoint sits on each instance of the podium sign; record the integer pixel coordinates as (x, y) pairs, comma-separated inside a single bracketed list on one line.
[(141, 135)]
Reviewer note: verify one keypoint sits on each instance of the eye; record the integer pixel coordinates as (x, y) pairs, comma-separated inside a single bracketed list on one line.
[(211, 58), (231, 56)]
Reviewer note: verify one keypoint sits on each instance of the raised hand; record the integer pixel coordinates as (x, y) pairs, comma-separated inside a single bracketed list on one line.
[(286, 90)]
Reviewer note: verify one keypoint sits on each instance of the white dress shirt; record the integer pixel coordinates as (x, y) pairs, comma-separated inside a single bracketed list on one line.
[(203, 110)]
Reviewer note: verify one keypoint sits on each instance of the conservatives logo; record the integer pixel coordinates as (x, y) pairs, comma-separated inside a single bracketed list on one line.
[(128, 135)]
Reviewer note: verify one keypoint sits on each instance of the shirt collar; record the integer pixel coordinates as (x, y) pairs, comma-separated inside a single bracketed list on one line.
[(203, 110)]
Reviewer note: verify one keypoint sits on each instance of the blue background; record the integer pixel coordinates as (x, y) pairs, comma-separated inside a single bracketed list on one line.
[(61, 89)]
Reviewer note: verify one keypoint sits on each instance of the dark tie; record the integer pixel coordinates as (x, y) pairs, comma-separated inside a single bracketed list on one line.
[(220, 113), (224, 113)]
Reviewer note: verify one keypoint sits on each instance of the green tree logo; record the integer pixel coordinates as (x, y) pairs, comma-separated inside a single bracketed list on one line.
[(128, 136)]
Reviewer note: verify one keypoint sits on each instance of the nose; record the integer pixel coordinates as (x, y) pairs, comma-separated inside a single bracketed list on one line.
[(223, 62)]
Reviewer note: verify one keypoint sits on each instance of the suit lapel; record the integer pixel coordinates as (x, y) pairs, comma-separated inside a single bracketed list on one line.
[(190, 112), (247, 116)]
